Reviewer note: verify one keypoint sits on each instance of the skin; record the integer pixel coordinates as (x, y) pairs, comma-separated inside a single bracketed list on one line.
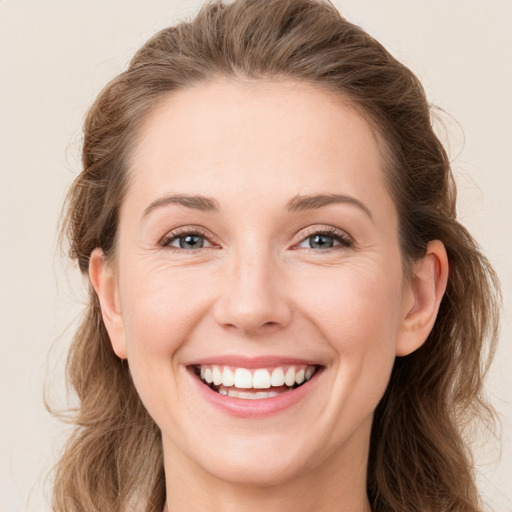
[(258, 287)]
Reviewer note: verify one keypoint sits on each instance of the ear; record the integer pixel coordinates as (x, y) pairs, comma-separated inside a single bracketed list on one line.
[(104, 282), (423, 297)]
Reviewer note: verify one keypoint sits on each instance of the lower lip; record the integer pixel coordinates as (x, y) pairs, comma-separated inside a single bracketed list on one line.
[(259, 407)]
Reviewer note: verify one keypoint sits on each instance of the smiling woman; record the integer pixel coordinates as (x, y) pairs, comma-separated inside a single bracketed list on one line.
[(284, 312)]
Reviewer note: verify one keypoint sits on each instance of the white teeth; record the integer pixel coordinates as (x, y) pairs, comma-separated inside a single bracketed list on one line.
[(289, 378), (226, 377), (247, 395), (217, 375), (277, 377), (261, 379), (233, 393), (243, 378)]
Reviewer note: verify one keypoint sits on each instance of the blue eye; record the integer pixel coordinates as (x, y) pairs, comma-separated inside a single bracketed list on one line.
[(187, 241), (319, 241), (324, 240)]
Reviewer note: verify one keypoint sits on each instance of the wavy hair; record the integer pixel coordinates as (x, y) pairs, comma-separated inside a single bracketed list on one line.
[(419, 459)]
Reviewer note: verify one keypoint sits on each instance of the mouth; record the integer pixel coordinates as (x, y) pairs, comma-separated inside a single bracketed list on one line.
[(254, 383)]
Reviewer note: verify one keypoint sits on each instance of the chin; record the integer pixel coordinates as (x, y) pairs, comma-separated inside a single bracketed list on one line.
[(257, 460), (262, 472)]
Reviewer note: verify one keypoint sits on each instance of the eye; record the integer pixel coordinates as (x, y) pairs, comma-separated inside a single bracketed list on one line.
[(186, 241), (323, 240)]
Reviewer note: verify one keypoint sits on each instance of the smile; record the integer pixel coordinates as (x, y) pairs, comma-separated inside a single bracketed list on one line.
[(248, 384)]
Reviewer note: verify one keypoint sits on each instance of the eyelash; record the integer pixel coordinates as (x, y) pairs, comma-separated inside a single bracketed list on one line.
[(344, 240), (339, 236), (176, 235)]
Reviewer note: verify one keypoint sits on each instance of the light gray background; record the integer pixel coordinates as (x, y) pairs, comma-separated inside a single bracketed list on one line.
[(54, 58)]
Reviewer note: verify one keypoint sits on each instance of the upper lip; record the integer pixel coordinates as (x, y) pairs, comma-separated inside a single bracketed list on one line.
[(252, 362)]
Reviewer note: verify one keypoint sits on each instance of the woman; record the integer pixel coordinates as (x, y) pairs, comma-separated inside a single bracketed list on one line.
[(284, 312)]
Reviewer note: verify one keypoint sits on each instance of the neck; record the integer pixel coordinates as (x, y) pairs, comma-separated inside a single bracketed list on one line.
[(273, 501)]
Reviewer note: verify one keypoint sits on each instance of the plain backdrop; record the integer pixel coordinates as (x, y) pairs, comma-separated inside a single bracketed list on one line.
[(54, 58)]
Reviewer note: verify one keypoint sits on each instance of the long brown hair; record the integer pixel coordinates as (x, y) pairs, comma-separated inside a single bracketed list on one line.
[(419, 459)]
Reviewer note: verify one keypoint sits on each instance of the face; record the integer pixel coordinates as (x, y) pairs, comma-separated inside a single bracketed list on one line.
[(258, 250)]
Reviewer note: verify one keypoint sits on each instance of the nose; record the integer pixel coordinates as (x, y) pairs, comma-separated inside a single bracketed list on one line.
[(253, 299)]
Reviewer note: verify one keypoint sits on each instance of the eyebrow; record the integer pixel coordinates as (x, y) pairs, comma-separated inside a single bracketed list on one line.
[(195, 202), (296, 203), (313, 202)]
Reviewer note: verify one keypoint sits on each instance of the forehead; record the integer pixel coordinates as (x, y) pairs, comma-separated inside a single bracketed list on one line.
[(260, 139)]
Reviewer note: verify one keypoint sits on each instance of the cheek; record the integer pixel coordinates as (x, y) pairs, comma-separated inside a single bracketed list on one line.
[(160, 311), (358, 313), (160, 308), (357, 309)]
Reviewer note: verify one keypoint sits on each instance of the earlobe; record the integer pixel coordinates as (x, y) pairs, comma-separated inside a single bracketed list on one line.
[(104, 282), (426, 288)]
